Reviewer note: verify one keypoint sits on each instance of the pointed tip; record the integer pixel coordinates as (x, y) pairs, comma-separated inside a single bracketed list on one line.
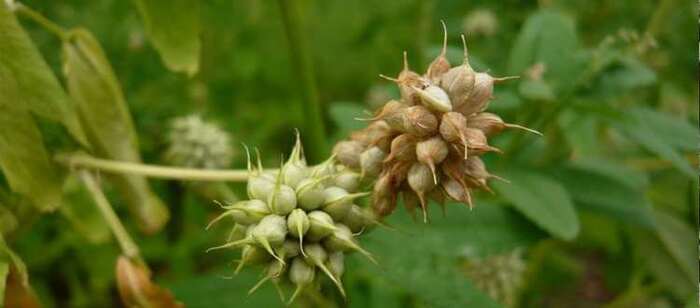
[(464, 46), (388, 78), (259, 161), (444, 38), (527, 129), (506, 78), (405, 61)]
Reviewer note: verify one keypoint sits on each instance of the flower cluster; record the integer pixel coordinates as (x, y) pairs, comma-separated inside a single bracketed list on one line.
[(194, 143), (299, 222), (428, 143)]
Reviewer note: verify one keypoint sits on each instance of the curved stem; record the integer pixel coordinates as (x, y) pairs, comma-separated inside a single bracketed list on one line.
[(164, 172), (41, 20), (129, 248), (311, 109)]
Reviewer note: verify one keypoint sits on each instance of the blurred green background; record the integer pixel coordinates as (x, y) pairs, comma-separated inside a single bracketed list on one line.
[(613, 85)]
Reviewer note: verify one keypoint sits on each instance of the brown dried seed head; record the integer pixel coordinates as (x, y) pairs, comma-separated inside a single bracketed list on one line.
[(406, 81), (371, 161), (459, 81), (420, 121), (384, 195), (440, 65), (457, 191), (402, 148), (379, 134), (477, 141), (348, 153), (434, 98), (432, 152)]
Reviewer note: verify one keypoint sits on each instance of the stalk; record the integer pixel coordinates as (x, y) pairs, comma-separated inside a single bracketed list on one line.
[(310, 105), (44, 22)]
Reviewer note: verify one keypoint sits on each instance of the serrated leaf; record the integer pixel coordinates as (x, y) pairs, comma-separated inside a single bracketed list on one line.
[(542, 200), (654, 133), (23, 159), (107, 122), (35, 87), (422, 258), (547, 37), (173, 28), (596, 191)]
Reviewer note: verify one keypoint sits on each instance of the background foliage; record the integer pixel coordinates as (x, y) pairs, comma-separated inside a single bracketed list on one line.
[(604, 207)]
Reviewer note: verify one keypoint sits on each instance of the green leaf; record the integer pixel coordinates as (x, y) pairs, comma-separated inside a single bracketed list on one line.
[(669, 254), (422, 259), (547, 37), (654, 132), (82, 214), (106, 119), (33, 86), (23, 158), (345, 114), (536, 90), (173, 28), (541, 200), (4, 271), (678, 132), (599, 192), (6, 254)]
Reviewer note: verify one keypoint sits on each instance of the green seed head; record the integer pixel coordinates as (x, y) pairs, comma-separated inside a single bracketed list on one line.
[(301, 274), (248, 212), (282, 200), (343, 240), (336, 263)]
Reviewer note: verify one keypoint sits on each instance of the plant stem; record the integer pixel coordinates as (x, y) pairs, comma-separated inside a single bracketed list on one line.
[(164, 172), (128, 246), (41, 20), (310, 105)]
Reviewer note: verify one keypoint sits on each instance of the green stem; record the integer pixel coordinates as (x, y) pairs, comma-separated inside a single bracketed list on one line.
[(164, 172), (41, 20), (314, 130), (127, 245)]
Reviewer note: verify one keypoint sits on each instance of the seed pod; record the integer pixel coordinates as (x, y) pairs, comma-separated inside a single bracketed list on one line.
[(289, 249), (338, 201), (453, 127), (459, 81), (238, 232), (402, 148), (371, 161), (477, 142), (251, 255), (420, 121), (410, 202), (325, 169), (457, 191), (270, 232), (492, 124), (384, 195), (283, 198), (406, 80), (259, 185), (359, 219), (336, 263), (391, 114), (434, 98), (348, 180), (317, 256), (343, 240), (440, 65), (310, 193), (298, 225), (421, 182), (432, 152), (244, 212), (481, 95), (273, 270), (348, 153), (320, 225), (294, 170), (379, 134), (302, 275)]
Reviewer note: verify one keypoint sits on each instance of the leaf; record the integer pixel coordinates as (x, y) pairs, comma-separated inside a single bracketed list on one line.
[(345, 115), (4, 272), (173, 28), (669, 255), (106, 119), (654, 133), (79, 210), (604, 194), (27, 81), (676, 131), (23, 158), (547, 37), (536, 90), (422, 259), (13, 259), (542, 200)]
